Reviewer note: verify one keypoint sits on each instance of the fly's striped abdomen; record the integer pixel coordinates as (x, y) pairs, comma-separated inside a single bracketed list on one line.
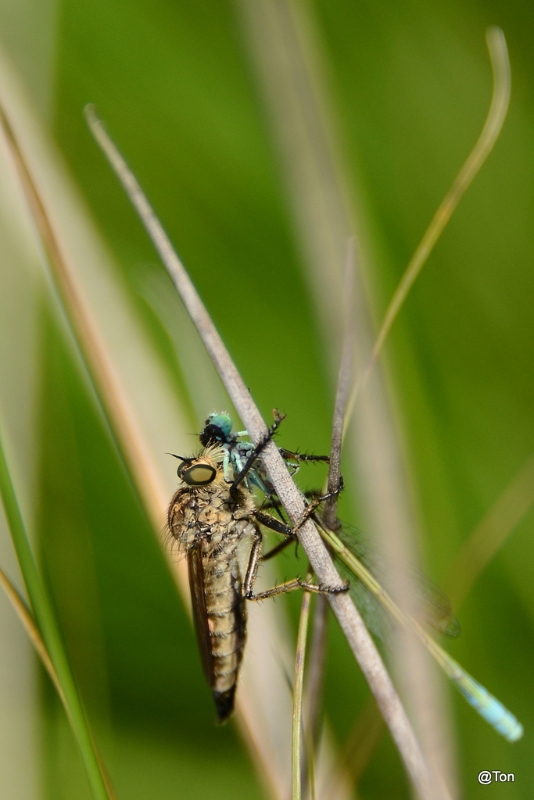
[(226, 622)]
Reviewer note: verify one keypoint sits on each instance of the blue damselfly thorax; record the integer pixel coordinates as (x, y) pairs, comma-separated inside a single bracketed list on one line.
[(240, 456)]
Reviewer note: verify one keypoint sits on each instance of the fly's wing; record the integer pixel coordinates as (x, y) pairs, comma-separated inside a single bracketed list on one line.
[(198, 602), (179, 531)]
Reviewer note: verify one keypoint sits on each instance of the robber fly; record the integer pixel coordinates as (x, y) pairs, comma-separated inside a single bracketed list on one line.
[(217, 526)]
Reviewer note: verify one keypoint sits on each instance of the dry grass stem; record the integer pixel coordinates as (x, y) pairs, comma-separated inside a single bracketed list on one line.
[(298, 683), (316, 665), (359, 639), (390, 514), (286, 50), (313, 690), (344, 383), (28, 623), (317, 659), (131, 443)]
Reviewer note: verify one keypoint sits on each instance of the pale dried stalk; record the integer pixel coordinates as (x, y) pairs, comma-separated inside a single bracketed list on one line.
[(285, 49), (344, 382), (123, 424), (357, 635), (94, 351), (25, 616), (298, 683), (313, 693), (317, 658)]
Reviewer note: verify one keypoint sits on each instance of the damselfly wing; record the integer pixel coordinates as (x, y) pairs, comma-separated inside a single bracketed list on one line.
[(489, 708)]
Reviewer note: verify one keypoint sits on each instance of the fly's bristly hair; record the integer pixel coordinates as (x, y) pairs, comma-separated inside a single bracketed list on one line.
[(209, 524)]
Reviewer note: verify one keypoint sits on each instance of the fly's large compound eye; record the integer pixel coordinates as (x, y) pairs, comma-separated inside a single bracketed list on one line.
[(196, 474)]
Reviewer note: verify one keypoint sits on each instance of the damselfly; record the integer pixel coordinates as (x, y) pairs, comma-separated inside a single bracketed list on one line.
[(365, 583), (217, 525), (241, 458)]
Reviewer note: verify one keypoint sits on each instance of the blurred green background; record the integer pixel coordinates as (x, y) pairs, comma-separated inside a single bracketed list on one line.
[(411, 84)]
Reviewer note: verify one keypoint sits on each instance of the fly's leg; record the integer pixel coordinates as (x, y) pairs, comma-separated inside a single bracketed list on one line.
[(226, 465), (289, 532), (289, 455), (294, 460), (283, 588), (255, 453), (293, 585), (278, 527), (315, 502), (278, 549), (253, 564)]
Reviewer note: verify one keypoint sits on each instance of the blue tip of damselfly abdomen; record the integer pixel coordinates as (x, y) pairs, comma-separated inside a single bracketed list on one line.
[(489, 707)]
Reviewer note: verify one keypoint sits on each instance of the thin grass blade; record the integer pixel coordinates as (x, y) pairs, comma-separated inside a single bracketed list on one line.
[(46, 620), (489, 535), (298, 683), (500, 100)]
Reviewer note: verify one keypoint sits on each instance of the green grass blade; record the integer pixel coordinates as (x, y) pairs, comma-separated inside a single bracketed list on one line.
[(500, 100), (26, 617), (48, 627)]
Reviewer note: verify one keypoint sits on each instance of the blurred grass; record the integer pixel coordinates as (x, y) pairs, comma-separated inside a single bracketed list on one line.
[(411, 84)]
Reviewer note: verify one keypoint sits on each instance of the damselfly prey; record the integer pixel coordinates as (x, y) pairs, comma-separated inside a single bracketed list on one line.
[(216, 524), (240, 458), (236, 453)]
